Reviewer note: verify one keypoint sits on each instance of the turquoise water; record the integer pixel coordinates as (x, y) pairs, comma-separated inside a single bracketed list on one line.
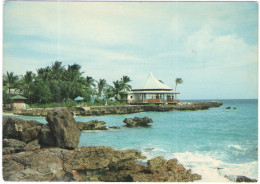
[(201, 140)]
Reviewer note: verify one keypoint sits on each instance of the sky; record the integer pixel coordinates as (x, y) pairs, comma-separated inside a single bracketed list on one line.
[(212, 46)]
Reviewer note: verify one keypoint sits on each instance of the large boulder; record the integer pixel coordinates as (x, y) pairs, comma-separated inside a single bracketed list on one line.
[(137, 121), (64, 128), (19, 129), (92, 125), (56, 164)]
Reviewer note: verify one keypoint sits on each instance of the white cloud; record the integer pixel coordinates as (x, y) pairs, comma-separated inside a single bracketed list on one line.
[(205, 43)]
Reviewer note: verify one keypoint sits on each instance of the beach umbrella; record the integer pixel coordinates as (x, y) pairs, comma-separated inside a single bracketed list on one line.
[(78, 98)]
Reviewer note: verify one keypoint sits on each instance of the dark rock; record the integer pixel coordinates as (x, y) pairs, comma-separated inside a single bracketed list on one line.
[(228, 107), (244, 179), (46, 137), (21, 129), (64, 128), (114, 127), (137, 121), (149, 149), (12, 146), (234, 108), (14, 143), (9, 150), (92, 125)]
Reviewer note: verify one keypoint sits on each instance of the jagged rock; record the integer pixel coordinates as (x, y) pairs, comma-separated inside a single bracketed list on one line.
[(92, 125), (64, 128), (19, 129), (56, 164), (137, 121), (157, 170), (94, 158), (91, 164), (43, 165), (157, 164), (46, 137)]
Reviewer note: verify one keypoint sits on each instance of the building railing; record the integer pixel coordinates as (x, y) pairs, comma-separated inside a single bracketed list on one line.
[(154, 101)]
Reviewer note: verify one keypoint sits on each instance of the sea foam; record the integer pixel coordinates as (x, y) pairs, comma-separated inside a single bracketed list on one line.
[(203, 163)]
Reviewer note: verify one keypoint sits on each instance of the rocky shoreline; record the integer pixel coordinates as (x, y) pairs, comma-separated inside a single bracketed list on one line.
[(33, 151), (48, 152), (109, 110)]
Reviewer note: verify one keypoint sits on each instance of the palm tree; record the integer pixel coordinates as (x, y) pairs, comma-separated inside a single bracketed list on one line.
[(124, 82), (57, 70), (73, 73), (90, 84), (178, 81), (26, 82), (117, 89), (101, 85), (10, 81), (109, 92), (44, 73)]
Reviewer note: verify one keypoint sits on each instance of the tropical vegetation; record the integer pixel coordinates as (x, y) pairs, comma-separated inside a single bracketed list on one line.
[(178, 81), (58, 85)]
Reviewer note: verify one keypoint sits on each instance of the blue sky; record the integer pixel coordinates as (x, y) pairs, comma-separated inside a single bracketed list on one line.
[(212, 46)]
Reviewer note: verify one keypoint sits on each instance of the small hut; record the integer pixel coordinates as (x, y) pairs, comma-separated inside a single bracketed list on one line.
[(18, 102)]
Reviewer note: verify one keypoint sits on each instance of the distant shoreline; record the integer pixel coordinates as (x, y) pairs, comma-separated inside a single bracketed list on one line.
[(109, 110)]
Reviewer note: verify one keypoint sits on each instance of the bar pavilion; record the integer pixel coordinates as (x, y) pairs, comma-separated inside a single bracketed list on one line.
[(154, 91)]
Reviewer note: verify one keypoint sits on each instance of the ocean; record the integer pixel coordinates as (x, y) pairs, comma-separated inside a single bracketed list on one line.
[(214, 143)]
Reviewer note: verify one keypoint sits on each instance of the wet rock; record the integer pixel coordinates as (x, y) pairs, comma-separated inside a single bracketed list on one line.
[(137, 121), (92, 125), (64, 128), (114, 127), (19, 129), (228, 107), (244, 179)]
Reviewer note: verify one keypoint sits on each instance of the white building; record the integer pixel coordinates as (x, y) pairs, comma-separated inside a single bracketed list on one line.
[(154, 91)]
